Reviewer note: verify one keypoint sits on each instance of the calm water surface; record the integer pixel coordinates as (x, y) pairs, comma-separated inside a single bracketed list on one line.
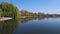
[(31, 26)]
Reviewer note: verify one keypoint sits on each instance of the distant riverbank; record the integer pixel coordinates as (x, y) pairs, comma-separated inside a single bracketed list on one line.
[(5, 18)]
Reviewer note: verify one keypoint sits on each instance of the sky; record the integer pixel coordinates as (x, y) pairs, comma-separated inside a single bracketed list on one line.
[(44, 6)]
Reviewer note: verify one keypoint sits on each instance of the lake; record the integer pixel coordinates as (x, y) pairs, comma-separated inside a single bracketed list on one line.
[(31, 26)]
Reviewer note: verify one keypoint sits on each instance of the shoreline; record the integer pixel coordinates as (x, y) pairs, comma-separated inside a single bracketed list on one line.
[(5, 18)]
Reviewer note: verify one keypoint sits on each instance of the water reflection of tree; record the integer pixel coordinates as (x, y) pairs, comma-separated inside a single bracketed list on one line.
[(8, 27), (25, 20)]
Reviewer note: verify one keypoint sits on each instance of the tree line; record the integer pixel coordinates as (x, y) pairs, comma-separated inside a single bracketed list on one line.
[(9, 10)]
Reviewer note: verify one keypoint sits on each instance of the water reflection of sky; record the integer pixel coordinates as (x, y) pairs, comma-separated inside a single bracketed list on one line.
[(48, 26)]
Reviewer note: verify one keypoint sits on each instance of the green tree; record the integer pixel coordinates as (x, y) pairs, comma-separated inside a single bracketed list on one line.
[(9, 10), (0, 13)]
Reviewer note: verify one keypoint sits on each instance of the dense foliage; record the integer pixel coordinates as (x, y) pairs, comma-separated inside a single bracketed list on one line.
[(8, 9), (0, 13), (30, 14)]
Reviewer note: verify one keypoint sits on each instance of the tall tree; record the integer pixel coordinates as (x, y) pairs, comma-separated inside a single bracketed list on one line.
[(9, 10)]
